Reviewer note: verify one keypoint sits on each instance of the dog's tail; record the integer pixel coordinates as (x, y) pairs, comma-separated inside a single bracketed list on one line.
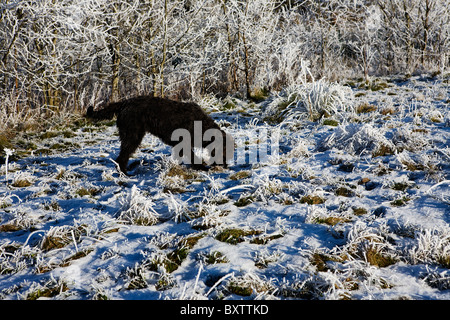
[(106, 113)]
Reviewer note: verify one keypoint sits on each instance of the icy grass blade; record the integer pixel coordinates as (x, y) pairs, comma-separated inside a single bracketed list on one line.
[(445, 196), (219, 282), (9, 152)]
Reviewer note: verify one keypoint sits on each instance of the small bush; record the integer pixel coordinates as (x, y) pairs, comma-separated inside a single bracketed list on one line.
[(138, 209), (309, 101)]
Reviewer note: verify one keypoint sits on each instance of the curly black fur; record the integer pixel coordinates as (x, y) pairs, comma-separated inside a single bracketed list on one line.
[(158, 116)]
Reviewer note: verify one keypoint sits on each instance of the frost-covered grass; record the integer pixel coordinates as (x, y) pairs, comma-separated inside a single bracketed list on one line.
[(356, 206)]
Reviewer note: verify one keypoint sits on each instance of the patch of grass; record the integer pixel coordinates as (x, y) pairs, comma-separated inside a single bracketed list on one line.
[(260, 94), (376, 258), (43, 151), (79, 123), (377, 86), (413, 166), (239, 289), (359, 211), (365, 108), (174, 190), (10, 227), (240, 175), (444, 261), (330, 122), (344, 192), (91, 192), (180, 171), (278, 115), (165, 282), (245, 285), (265, 239), (228, 105), (26, 145), (176, 177), (47, 292), (59, 237), (64, 146), (244, 201), (177, 256), (49, 134), (5, 140), (388, 111), (80, 254), (436, 119), (235, 236), (5, 204), (21, 183), (52, 206), (312, 199), (420, 130), (137, 280), (400, 202), (332, 220), (400, 186), (383, 150), (51, 242), (68, 134), (319, 260), (215, 257)]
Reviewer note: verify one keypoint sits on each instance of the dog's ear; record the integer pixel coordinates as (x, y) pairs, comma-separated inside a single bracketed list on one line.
[(90, 111)]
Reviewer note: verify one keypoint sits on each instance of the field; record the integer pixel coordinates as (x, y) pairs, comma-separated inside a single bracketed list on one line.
[(354, 205)]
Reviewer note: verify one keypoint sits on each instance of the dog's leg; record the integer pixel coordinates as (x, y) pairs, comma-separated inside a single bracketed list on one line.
[(129, 143)]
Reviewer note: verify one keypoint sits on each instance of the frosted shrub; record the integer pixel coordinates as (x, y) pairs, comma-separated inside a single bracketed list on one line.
[(262, 258), (178, 208), (61, 236), (20, 221), (433, 246), (267, 188), (209, 102), (138, 209), (299, 149), (439, 280), (356, 139), (309, 101), (16, 261), (370, 245), (209, 215), (22, 179), (409, 138), (174, 177)]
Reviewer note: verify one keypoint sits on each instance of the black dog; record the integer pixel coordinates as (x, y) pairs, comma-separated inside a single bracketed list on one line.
[(160, 117)]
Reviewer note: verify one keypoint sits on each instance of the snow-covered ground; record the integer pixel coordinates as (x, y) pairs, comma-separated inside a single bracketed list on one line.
[(355, 205)]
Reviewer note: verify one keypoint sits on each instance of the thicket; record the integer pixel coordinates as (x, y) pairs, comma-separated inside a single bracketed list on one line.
[(66, 54)]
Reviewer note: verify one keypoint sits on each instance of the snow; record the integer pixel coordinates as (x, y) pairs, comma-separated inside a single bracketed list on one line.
[(83, 231)]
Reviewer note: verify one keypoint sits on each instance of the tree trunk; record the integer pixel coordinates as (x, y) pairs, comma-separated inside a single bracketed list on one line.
[(115, 60)]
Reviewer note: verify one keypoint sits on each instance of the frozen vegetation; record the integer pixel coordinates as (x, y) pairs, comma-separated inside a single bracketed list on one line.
[(356, 205), (350, 199)]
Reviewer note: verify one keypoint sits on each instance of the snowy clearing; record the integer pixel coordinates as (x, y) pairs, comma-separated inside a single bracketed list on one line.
[(356, 205)]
